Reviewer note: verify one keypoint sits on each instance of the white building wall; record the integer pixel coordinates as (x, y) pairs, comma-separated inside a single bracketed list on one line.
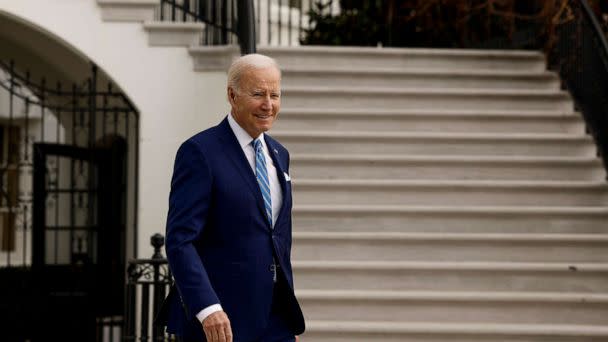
[(174, 102)]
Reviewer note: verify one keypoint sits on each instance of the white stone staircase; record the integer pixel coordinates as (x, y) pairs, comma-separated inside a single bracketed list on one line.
[(440, 195)]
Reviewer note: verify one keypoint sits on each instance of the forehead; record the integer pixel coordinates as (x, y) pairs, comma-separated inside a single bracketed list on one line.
[(261, 77)]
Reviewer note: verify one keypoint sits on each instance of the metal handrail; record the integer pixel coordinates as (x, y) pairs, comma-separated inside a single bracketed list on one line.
[(580, 56), (223, 19), (599, 34), (246, 26), (148, 281)]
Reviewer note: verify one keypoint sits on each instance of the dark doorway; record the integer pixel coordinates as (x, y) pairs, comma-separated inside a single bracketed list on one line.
[(79, 240)]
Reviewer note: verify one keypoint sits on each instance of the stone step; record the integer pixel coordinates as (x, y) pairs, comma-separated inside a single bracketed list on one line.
[(449, 193), (438, 99), (127, 10), (377, 246), (419, 78), (451, 276), (370, 331), (453, 219), (424, 143), (365, 58), (448, 167), (449, 219), (456, 307), (382, 120), (167, 33)]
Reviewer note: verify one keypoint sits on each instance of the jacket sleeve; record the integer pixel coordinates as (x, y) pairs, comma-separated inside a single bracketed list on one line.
[(189, 202)]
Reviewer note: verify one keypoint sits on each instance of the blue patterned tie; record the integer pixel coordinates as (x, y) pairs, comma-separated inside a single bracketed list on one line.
[(261, 174)]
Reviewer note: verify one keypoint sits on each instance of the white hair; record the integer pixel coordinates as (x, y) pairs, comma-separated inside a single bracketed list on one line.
[(248, 62)]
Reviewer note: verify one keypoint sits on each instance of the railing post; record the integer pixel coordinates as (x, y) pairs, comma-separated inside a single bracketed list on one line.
[(130, 305), (148, 280), (246, 26), (157, 241)]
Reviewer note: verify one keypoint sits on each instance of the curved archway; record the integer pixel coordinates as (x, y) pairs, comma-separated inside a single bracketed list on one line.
[(68, 192)]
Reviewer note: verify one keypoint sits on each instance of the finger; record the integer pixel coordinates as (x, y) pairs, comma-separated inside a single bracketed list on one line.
[(207, 334), (228, 331), (221, 334), (214, 334)]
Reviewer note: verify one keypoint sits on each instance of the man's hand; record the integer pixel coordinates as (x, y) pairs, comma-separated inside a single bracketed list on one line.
[(217, 327), (297, 338)]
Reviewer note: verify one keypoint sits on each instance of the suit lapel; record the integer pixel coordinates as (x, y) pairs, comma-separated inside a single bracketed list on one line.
[(233, 150)]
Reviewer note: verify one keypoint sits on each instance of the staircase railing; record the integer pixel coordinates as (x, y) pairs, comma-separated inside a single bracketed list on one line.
[(226, 21), (580, 55), (148, 282)]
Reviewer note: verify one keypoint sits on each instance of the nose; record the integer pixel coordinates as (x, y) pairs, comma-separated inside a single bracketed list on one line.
[(266, 102)]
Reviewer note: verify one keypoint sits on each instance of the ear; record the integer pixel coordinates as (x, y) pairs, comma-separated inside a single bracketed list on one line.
[(231, 95)]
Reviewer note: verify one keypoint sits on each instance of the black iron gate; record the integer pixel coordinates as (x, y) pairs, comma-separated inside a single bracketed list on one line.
[(86, 275), (67, 200)]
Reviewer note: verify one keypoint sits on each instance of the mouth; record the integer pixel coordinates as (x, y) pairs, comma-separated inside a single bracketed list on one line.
[(263, 116)]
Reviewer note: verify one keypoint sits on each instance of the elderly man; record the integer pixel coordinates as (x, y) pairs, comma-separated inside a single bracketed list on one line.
[(229, 221)]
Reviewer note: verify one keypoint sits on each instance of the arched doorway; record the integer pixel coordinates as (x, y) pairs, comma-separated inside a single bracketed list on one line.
[(68, 177)]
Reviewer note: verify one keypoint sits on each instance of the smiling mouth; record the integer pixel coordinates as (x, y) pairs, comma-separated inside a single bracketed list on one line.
[(259, 116)]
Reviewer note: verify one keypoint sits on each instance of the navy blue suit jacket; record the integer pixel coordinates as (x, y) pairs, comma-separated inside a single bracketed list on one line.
[(220, 246)]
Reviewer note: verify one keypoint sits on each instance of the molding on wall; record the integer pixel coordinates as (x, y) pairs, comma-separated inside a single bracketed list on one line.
[(213, 58), (162, 33), (127, 10)]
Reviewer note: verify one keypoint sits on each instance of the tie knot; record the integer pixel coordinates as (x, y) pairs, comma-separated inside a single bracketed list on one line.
[(257, 145)]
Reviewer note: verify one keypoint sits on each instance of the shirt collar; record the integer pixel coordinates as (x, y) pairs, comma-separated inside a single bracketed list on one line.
[(241, 135)]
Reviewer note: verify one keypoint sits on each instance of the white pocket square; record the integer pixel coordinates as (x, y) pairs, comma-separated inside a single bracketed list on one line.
[(287, 178)]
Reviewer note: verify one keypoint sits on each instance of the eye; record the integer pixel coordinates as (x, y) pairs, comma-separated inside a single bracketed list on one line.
[(257, 94), (275, 95)]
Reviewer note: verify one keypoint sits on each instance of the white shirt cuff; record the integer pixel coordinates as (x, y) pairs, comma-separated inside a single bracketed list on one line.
[(208, 311)]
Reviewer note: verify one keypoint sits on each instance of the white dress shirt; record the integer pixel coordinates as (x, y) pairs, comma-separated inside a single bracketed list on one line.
[(276, 194)]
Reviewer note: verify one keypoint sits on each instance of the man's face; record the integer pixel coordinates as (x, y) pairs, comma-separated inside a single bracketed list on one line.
[(256, 103)]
